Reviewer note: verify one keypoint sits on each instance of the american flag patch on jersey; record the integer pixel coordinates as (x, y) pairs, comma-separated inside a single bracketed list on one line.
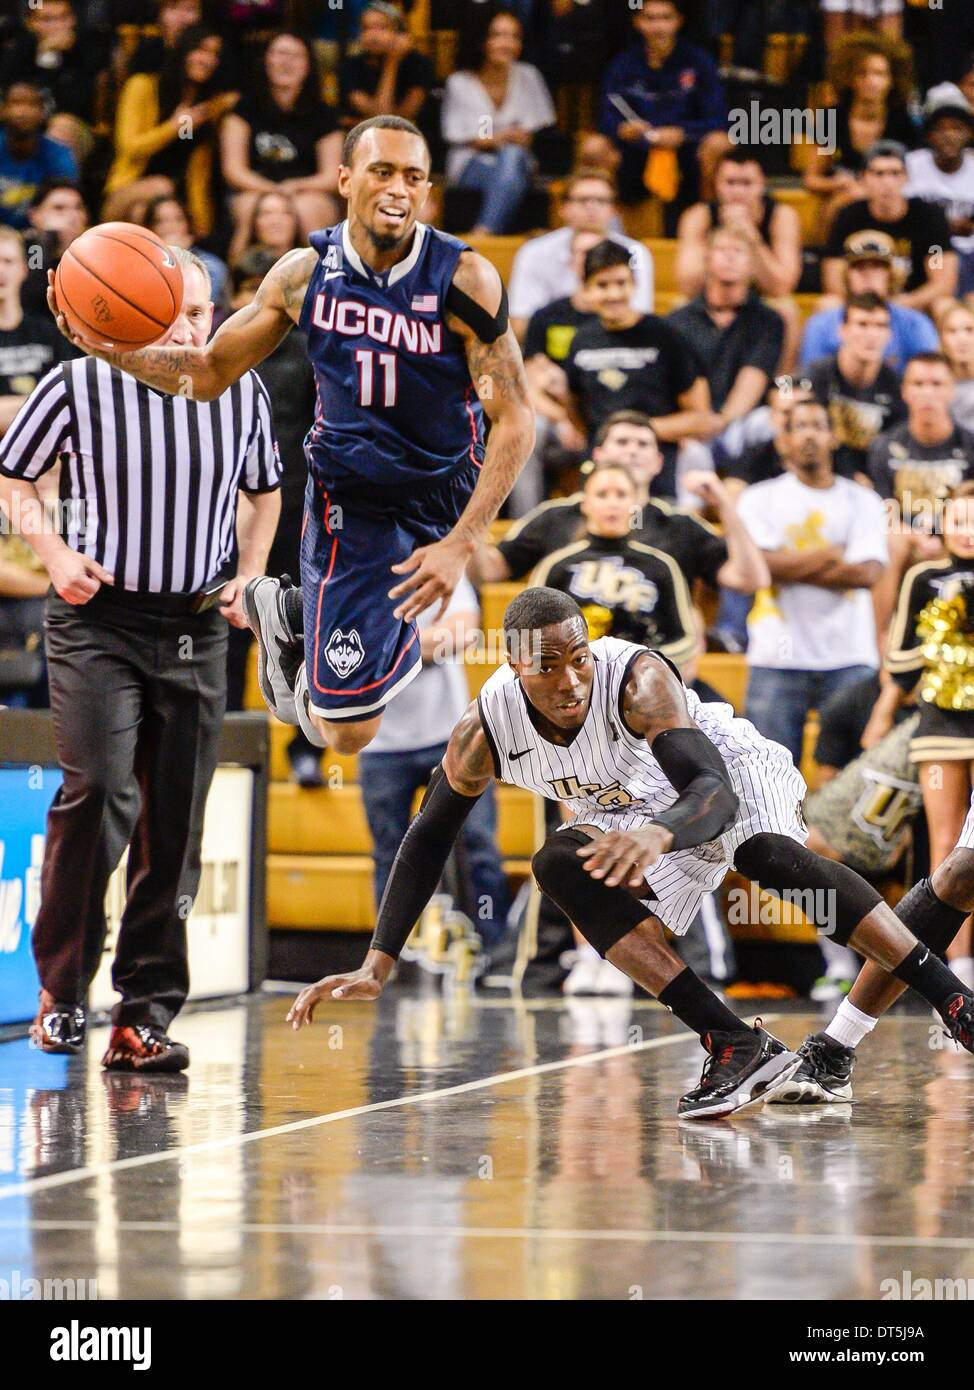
[(423, 304)]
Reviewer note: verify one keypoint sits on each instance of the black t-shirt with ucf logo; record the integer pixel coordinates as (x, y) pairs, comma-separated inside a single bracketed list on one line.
[(28, 352), (859, 414), (920, 476), (646, 367), (625, 589), (283, 144), (921, 230)]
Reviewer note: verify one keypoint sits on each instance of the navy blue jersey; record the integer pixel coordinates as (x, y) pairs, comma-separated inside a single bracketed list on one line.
[(395, 405)]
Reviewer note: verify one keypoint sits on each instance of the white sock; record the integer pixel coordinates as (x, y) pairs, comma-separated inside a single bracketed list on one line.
[(850, 1025), (586, 951)]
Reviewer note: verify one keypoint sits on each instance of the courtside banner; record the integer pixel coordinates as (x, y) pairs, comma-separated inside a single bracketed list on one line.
[(25, 795), (219, 925)]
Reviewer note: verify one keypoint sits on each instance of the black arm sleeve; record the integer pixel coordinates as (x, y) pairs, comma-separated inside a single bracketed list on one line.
[(488, 327), (707, 804), (420, 861)]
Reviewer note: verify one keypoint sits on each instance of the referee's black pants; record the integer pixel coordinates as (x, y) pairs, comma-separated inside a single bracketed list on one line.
[(138, 692)]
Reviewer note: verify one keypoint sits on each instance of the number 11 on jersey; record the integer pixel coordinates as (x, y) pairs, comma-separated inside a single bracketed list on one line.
[(365, 358)]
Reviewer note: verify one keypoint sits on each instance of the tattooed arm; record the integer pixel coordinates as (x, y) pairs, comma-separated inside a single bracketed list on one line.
[(453, 791), (244, 340), (497, 372)]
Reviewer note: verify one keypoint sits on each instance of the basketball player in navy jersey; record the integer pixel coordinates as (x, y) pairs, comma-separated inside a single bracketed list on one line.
[(407, 332), (667, 794)]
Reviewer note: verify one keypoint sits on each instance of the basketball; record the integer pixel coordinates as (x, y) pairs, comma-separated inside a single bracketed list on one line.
[(119, 286)]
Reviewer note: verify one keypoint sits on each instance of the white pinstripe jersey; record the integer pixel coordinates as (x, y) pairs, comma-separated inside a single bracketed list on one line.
[(608, 777)]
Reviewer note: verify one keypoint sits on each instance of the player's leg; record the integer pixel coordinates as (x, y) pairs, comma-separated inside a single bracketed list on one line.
[(743, 1062), (357, 654), (274, 612), (934, 911), (89, 816), (856, 915)]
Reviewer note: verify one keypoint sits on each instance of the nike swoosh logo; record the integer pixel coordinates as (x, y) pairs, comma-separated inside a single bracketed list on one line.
[(330, 274), (514, 756)]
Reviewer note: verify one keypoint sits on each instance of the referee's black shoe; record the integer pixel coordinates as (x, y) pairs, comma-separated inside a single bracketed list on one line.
[(824, 1077), (58, 1027), (265, 605), (142, 1047), (741, 1068)]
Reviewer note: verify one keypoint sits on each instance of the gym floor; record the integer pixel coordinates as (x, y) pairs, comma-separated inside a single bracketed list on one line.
[(459, 1147)]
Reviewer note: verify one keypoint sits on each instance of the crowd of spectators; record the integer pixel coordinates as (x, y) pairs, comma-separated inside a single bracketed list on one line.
[(746, 447)]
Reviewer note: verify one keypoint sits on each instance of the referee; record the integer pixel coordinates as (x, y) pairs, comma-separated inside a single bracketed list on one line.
[(150, 569)]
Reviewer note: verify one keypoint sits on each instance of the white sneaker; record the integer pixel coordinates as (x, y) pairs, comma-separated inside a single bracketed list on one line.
[(263, 604), (302, 716), (583, 976), (611, 981)]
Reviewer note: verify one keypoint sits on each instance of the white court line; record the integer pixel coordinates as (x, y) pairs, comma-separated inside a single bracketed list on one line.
[(272, 989), (510, 1233), (95, 1170)]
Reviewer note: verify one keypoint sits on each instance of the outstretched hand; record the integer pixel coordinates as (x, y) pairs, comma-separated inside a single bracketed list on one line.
[(434, 572), (623, 856), (360, 984)]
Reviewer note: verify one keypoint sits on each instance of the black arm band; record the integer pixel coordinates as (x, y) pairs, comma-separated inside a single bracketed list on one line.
[(707, 803), (488, 327), (420, 862)]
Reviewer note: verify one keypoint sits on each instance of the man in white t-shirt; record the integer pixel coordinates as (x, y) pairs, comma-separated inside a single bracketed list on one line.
[(543, 269), (410, 744), (943, 171), (824, 538)]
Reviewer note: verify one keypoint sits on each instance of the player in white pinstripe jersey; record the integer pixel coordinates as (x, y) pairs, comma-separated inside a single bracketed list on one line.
[(666, 794), (621, 787)]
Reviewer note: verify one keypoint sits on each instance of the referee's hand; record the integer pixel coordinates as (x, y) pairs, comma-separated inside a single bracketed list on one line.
[(77, 578)]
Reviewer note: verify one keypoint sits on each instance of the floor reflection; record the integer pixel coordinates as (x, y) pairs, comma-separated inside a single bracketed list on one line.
[(451, 1147)]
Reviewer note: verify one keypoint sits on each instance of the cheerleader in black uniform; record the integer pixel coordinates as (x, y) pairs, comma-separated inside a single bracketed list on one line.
[(930, 655), (624, 588)]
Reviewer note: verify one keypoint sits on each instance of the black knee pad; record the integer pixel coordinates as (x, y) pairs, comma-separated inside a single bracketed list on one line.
[(840, 899), (602, 914), (933, 922)]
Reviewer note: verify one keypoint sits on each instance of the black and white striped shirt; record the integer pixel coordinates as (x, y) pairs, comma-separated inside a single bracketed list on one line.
[(148, 481)]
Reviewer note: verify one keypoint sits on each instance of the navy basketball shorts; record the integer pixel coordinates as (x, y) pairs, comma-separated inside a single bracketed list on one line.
[(358, 655)]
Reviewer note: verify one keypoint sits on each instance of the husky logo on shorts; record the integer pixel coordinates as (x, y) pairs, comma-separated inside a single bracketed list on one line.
[(344, 652)]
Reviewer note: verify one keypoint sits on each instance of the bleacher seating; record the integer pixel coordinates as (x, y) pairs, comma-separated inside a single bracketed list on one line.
[(320, 865)]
